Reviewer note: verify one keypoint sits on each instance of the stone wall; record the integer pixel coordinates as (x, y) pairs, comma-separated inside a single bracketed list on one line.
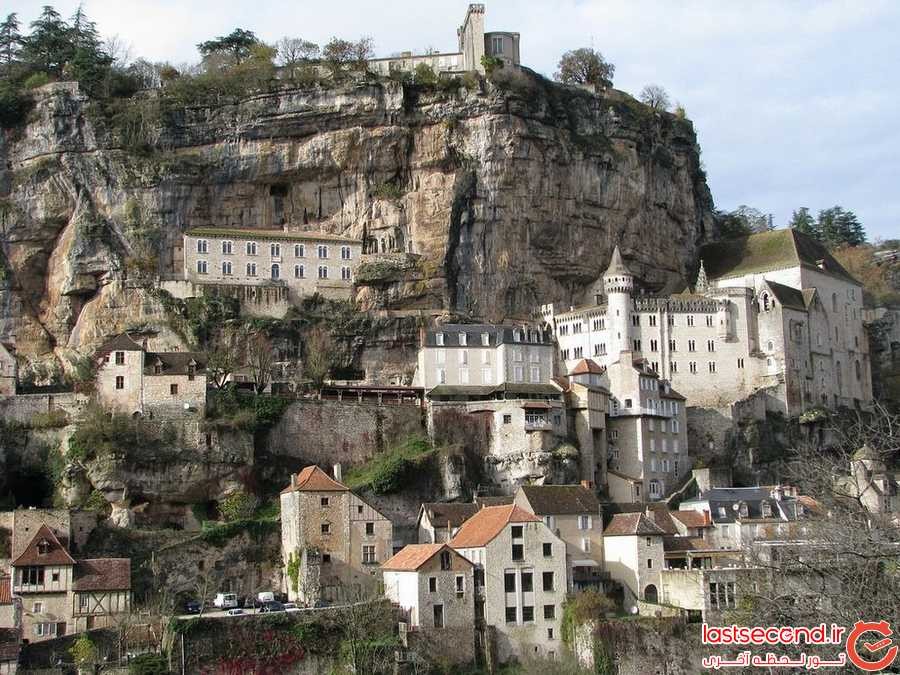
[(328, 432), (22, 407)]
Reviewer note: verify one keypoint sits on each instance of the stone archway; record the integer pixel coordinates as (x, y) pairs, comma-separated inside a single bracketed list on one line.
[(651, 594)]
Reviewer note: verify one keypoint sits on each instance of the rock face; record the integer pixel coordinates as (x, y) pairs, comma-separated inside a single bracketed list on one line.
[(501, 198)]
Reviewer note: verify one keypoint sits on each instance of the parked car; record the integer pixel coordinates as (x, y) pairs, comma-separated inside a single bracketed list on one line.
[(273, 606), (225, 600), (291, 607), (193, 607), (265, 596), (234, 611)]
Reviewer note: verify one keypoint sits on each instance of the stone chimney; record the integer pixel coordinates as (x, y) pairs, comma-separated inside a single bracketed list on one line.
[(293, 480), (337, 472)]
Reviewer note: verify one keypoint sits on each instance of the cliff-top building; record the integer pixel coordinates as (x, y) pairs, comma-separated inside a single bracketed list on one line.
[(472, 44), (773, 311)]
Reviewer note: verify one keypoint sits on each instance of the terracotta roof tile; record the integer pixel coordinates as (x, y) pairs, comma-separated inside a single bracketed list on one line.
[(102, 574), (5, 590), (481, 528), (691, 518), (631, 524), (313, 479), (442, 514), (413, 556), (587, 366), (55, 555), (561, 499)]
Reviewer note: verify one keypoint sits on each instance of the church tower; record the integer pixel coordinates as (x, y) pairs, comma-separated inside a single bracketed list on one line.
[(618, 282)]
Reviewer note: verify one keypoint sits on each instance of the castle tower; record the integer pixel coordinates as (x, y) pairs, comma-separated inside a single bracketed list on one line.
[(618, 282), (471, 38), (702, 282)]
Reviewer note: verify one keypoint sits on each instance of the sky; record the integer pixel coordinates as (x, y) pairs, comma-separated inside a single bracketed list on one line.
[(794, 103)]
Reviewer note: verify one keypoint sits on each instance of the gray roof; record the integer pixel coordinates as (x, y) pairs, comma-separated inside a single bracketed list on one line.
[(561, 499), (497, 335), (174, 363), (726, 499), (617, 265)]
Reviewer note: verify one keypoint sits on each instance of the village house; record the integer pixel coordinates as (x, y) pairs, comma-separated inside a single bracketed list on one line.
[(587, 403), (133, 380), (434, 584), (9, 369), (573, 513), (876, 488), (473, 45), (274, 268), (773, 311), (438, 522), (332, 541), (633, 555), (520, 579)]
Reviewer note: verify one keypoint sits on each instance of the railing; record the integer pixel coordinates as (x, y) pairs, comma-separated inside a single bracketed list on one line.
[(538, 426)]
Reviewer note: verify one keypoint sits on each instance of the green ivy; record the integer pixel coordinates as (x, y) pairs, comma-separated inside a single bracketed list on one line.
[(293, 571)]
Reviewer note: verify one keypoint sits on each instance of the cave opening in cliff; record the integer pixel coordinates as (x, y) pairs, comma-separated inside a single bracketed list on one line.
[(30, 486)]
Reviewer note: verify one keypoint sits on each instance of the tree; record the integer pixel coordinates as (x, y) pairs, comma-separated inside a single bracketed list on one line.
[(585, 66), (656, 97), (118, 50), (294, 51), (837, 226), (221, 362), (339, 53), (742, 222), (318, 353), (802, 220), (424, 74), (236, 45), (49, 45), (84, 651), (260, 359), (10, 42)]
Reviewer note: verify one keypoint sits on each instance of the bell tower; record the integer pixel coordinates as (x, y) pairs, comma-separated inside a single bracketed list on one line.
[(618, 282)]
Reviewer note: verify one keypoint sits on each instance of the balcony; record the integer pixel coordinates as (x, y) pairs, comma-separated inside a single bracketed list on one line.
[(538, 425)]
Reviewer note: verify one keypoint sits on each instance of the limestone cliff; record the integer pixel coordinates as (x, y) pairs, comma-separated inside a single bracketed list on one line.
[(508, 196)]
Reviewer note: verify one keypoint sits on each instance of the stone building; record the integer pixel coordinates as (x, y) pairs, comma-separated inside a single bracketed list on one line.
[(132, 380), (434, 584), (472, 44), (62, 595), (877, 489), (773, 311), (332, 541), (438, 522), (520, 580), (587, 403), (9, 369), (573, 513), (270, 261), (634, 555)]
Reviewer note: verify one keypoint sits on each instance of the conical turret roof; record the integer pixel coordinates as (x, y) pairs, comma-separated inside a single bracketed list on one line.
[(617, 264)]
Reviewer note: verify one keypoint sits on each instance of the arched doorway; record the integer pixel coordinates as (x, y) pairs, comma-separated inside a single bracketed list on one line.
[(651, 594)]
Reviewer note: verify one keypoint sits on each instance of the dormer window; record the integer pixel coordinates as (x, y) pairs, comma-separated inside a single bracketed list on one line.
[(439, 339), (744, 510), (485, 339), (766, 510), (463, 341), (43, 547)]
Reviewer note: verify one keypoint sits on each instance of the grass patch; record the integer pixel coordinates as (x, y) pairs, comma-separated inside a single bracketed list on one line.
[(389, 471)]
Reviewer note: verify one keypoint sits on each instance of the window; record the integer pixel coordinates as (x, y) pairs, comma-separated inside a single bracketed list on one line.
[(323, 272), (460, 584), (370, 529), (251, 269), (276, 271), (359, 509), (326, 528), (485, 340), (527, 614), (517, 531), (496, 44), (32, 576), (226, 268), (585, 544), (547, 581), (635, 319), (654, 345), (326, 558), (692, 345), (202, 246), (173, 389), (711, 345), (120, 382), (652, 319), (649, 541), (509, 582), (368, 554), (54, 577), (578, 352), (322, 251), (518, 374), (709, 320), (251, 248), (38, 607), (548, 550), (672, 346), (439, 339), (637, 345), (445, 560), (299, 251), (323, 501), (438, 611), (690, 319), (518, 552), (527, 582), (275, 250), (345, 253), (712, 366), (740, 363), (649, 563), (346, 274), (510, 615), (549, 614), (584, 522), (627, 402), (441, 376), (692, 366), (120, 358), (201, 267), (535, 374), (298, 271), (227, 247)]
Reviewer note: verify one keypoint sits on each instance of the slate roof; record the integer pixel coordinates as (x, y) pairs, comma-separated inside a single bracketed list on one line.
[(722, 503), (56, 555), (412, 556), (494, 500), (767, 251), (120, 343), (497, 335), (452, 514), (174, 363), (281, 235), (787, 296), (546, 390), (480, 529), (102, 574), (684, 544), (623, 524), (561, 499), (616, 265), (313, 479)]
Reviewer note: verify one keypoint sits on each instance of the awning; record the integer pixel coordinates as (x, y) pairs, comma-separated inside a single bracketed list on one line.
[(536, 405)]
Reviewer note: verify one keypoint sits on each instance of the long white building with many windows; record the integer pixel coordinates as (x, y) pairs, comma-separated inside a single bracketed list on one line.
[(301, 262), (773, 311)]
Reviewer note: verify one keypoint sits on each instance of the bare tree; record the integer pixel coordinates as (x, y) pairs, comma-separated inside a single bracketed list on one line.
[(223, 360), (656, 97), (260, 359), (118, 50), (318, 356), (294, 51), (367, 629), (585, 66)]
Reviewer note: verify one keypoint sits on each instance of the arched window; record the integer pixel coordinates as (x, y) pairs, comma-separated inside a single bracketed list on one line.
[(765, 299), (651, 594), (276, 271)]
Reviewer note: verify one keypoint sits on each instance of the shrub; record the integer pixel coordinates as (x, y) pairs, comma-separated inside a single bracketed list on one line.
[(36, 80), (387, 191), (52, 419), (491, 63), (148, 664), (84, 651), (388, 472), (14, 106), (238, 506), (424, 74)]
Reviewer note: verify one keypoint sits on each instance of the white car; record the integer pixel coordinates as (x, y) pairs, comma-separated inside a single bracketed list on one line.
[(225, 600), (235, 611), (291, 607)]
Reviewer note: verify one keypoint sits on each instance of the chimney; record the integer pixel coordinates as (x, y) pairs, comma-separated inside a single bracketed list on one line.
[(338, 474), (777, 493), (293, 480)]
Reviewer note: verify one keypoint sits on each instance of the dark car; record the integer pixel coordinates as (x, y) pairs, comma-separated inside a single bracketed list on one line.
[(272, 606), (193, 607)]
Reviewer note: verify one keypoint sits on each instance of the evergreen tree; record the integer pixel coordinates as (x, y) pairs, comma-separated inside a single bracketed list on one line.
[(89, 63), (838, 227), (10, 42), (237, 45), (803, 221), (49, 46)]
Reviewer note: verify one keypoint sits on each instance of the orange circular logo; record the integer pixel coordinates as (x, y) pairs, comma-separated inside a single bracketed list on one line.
[(883, 628)]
